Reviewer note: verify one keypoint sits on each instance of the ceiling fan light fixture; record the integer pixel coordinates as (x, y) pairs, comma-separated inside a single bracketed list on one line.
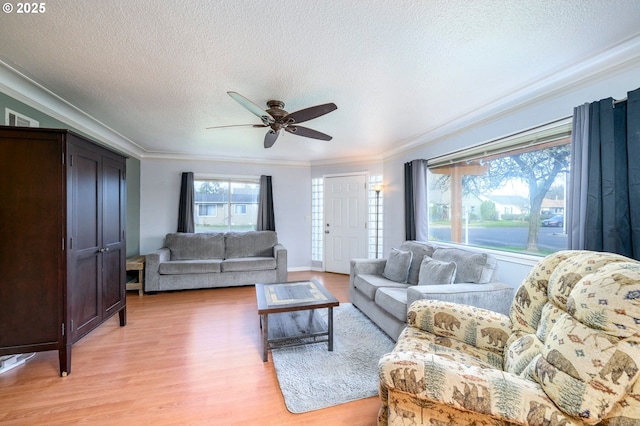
[(277, 119)]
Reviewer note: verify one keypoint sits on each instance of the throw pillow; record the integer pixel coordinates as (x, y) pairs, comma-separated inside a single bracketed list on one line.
[(436, 272), (397, 266)]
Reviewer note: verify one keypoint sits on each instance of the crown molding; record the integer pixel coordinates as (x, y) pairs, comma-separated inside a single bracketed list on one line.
[(22, 88), (239, 160)]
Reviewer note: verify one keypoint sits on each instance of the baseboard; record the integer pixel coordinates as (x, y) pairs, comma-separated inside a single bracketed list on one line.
[(305, 268), (299, 269)]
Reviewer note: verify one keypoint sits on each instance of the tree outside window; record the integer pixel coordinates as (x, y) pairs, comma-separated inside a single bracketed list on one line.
[(504, 199)]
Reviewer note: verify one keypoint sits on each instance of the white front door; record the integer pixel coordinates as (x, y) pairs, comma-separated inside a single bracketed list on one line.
[(345, 221)]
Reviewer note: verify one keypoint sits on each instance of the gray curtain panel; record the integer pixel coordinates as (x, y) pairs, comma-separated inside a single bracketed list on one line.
[(577, 191), (612, 221), (415, 199), (186, 219), (266, 216)]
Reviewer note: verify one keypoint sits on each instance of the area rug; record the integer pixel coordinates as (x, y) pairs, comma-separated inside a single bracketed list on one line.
[(312, 378)]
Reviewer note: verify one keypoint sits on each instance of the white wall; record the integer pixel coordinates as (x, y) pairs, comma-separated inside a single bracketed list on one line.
[(536, 112), (160, 193)]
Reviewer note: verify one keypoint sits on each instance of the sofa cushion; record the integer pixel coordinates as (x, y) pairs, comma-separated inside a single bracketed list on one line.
[(369, 284), (394, 301), (397, 266), (185, 246), (248, 264), (250, 244), (194, 266), (419, 250), (472, 267), (436, 272)]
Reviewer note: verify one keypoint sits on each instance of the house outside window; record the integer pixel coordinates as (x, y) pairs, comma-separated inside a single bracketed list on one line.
[(502, 195), (207, 210), (223, 205)]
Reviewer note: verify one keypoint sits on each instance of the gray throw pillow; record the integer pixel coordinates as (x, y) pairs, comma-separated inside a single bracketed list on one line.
[(397, 266), (436, 272)]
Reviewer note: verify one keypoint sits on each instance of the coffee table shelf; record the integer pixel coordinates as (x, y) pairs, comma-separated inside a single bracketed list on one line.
[(289, 314)]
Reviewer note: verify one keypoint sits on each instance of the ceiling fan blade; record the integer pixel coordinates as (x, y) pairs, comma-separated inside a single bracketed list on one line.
[(270, 137), (255, 109), (237, 125), (307, 133), (309, 113)]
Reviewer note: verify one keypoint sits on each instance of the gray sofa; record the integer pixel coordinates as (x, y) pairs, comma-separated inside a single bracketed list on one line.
[(205, 260), (444, 273)]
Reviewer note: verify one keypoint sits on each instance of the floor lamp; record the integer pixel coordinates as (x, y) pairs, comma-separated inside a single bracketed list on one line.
[(377, 188)]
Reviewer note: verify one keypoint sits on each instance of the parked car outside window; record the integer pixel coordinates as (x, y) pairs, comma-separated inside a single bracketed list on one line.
[(557, 220)]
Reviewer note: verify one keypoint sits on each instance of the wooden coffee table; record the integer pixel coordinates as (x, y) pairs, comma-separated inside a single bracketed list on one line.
[(283, 319)]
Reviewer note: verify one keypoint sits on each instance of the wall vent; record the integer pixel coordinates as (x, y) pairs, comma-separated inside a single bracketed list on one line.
[(12, 118)]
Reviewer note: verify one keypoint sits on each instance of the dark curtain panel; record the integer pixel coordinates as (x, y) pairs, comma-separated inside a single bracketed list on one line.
[(409, 202), (612, 221), (266, 217), (185, 208)]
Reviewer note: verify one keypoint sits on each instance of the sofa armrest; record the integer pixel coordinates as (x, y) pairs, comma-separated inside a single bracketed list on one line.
[(494, 296), (152, 264), (366, 266), (431, 380), (280, 253), (471, 325)]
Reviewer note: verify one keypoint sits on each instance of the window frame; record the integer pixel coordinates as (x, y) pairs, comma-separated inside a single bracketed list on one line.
[(556, 133), (227, 224)]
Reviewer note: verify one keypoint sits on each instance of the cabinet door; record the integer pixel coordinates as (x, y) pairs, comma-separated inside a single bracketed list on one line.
[(31, 249), (113, 242), (85, 243)]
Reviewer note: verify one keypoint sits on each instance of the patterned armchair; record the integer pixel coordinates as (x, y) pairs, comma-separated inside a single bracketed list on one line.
[(568, 353)]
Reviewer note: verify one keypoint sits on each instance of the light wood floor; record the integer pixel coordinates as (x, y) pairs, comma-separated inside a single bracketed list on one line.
[(184, 358)]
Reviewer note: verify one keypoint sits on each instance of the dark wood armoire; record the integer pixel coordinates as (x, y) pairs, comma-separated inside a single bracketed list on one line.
[(62, 240)]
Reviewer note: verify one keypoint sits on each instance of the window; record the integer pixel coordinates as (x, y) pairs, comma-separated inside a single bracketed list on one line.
[(375, 218), (12, 118), (500, 195), (226, 205), (317, 211)]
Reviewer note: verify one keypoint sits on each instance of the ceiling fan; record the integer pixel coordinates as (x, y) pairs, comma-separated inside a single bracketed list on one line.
[(277, 119)]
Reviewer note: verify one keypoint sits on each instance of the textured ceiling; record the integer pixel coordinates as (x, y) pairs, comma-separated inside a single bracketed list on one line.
[(157, 72)]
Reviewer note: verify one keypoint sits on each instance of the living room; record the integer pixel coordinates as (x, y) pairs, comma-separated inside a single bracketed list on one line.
[(458, 117)]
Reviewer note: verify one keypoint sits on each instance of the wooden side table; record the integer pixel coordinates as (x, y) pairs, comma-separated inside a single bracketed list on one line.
[(136, 263)]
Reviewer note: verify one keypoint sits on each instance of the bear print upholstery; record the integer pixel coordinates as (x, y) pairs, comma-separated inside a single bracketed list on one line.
[(568, 353)]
